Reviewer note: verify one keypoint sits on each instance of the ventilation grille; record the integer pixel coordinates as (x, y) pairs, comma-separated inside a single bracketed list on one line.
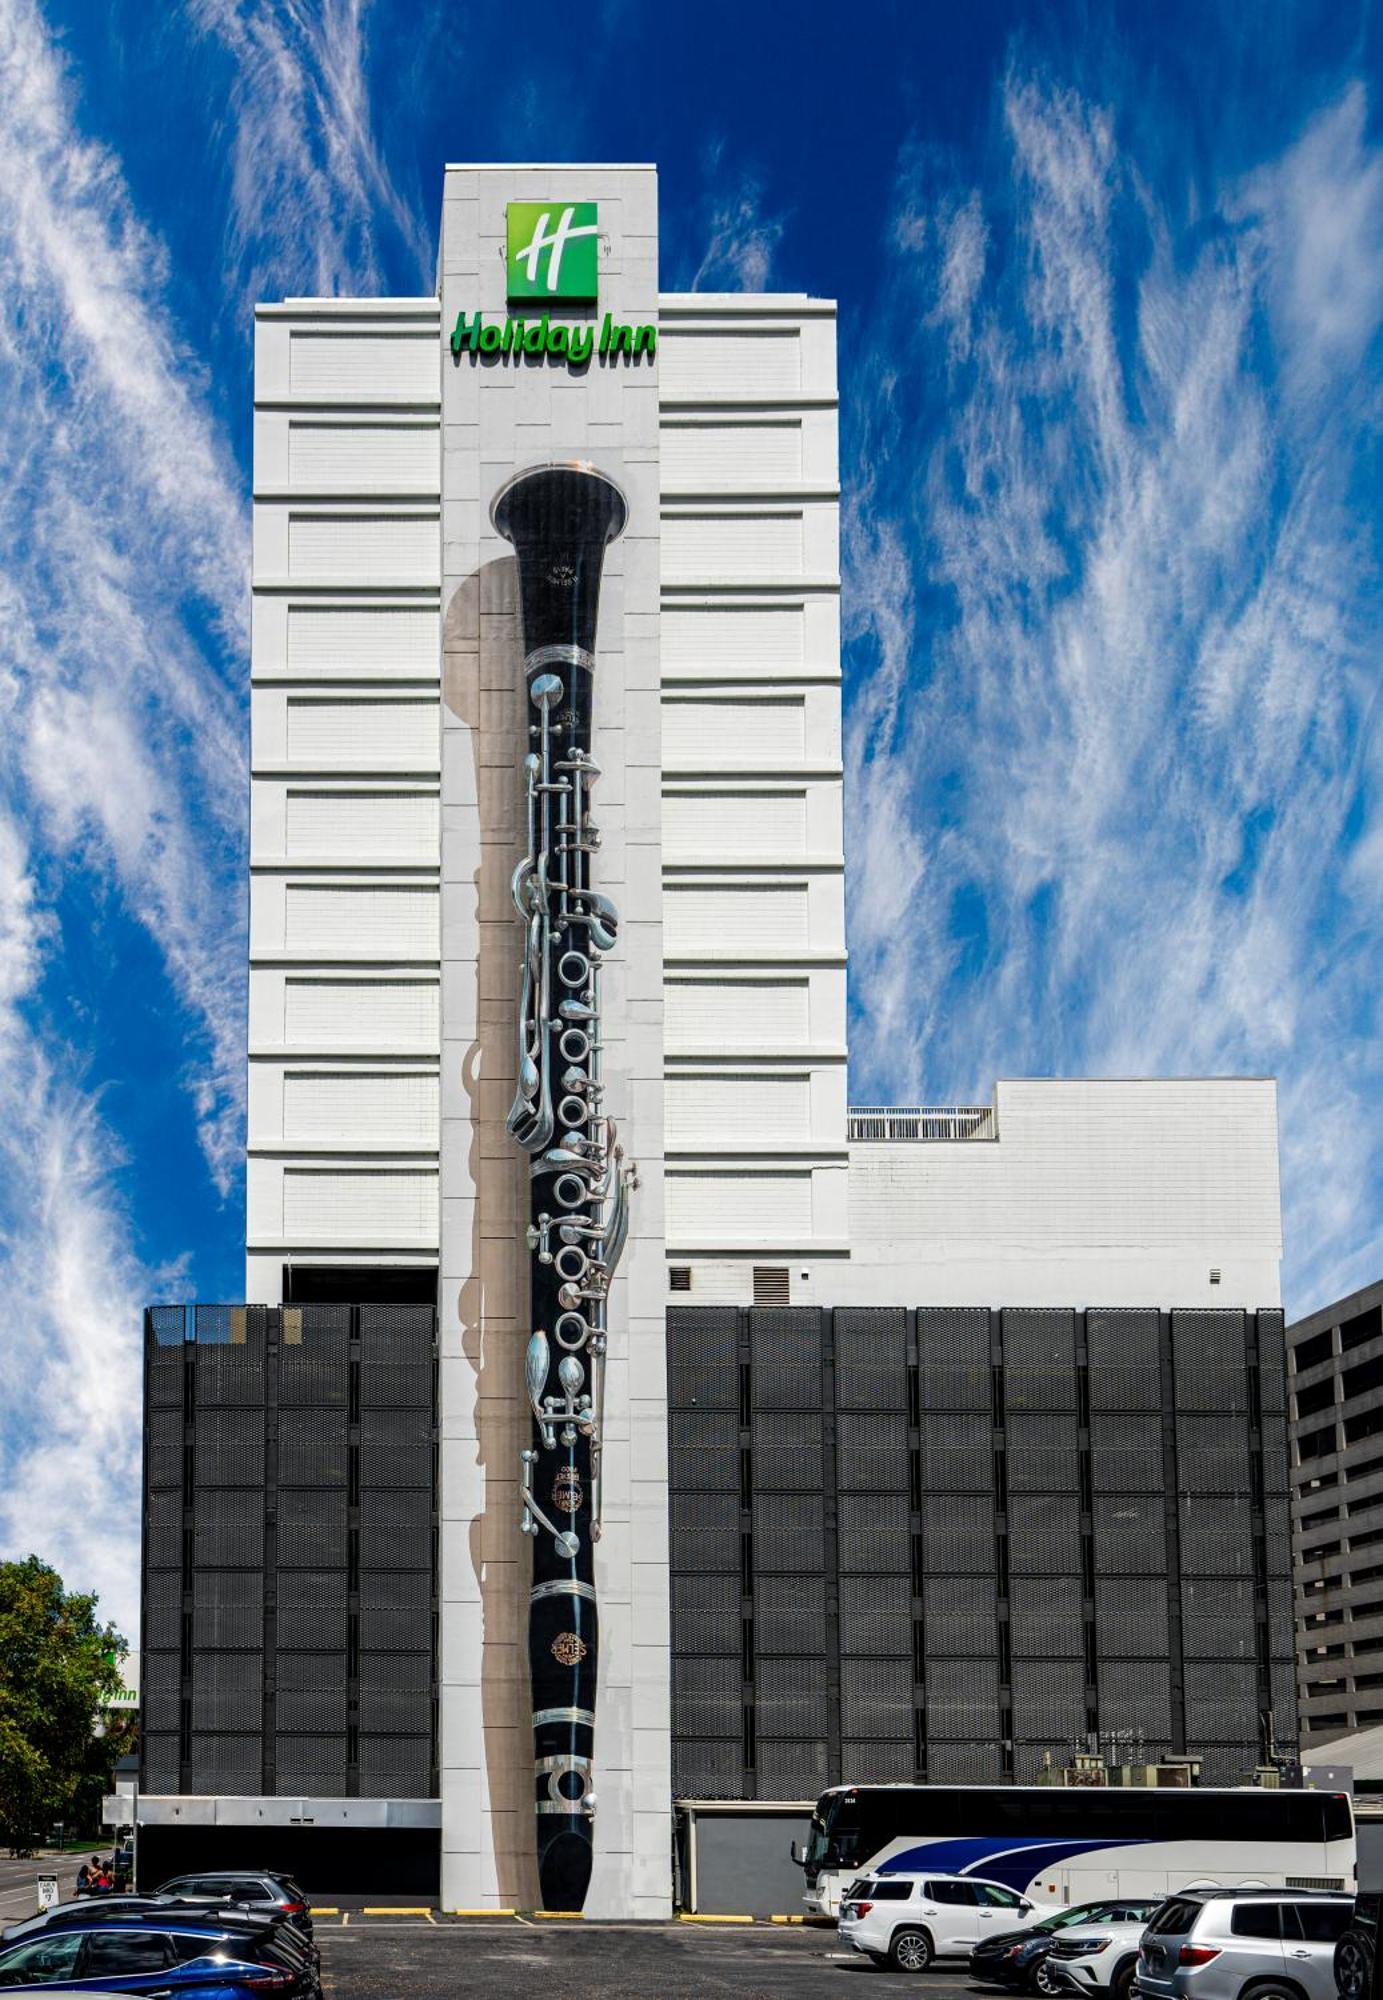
[(771, 1285)]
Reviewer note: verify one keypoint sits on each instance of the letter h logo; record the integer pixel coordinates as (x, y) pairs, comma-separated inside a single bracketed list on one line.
[(553, 251)]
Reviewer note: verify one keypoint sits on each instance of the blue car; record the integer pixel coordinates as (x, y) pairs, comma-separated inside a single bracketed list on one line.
[(168, 1956)]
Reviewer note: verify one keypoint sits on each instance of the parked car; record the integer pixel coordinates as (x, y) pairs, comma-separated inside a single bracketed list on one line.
[(120, 1911), (1102, 1959), (252, 1889), (907, 1921), (173, 1958), (1226, 1944), (1015, 1958)]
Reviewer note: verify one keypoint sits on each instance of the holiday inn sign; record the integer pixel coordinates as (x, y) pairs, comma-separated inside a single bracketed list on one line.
[(552, 257)]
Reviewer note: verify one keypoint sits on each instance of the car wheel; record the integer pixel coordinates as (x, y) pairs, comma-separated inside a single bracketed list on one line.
[(1271, 1989), (911, 1950), (1042, 1980), (1122, 1983), (1354, 1965)]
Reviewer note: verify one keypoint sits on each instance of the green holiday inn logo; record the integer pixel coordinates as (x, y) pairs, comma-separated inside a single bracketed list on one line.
[(553, 251)]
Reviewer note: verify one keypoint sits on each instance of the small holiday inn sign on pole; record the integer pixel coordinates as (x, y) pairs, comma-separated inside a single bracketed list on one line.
[(552, 253)]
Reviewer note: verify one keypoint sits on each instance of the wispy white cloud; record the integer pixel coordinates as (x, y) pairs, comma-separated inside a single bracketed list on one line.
[(311, 194), (1119, 756), (740, 239), (123, 623)]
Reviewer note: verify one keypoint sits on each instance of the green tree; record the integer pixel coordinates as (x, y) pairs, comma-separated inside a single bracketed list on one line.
[(58, 1668)]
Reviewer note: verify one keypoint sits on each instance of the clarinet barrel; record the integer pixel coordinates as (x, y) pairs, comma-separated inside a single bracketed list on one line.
[(560, 520)]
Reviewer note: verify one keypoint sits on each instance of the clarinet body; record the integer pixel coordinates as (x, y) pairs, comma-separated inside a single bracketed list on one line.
[(560, 518)]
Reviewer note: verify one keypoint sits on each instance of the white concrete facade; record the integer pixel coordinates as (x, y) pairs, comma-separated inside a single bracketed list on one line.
[(1145, 1192)]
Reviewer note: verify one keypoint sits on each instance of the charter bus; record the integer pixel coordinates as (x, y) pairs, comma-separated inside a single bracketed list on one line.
[(1059, 1845)]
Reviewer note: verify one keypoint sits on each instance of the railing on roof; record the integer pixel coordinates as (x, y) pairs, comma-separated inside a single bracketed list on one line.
[(916, 1121)]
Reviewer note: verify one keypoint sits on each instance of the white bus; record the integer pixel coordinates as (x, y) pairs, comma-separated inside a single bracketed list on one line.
[(1058, 1845)]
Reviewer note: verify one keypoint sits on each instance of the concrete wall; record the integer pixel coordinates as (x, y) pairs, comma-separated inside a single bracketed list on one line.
[(1105, 1193), (498, 417)]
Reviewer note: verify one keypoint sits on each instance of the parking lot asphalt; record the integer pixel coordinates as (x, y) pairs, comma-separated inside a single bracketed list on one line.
[(417, 1958)]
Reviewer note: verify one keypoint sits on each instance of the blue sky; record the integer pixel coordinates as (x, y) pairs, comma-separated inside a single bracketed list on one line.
[(1110, 279)]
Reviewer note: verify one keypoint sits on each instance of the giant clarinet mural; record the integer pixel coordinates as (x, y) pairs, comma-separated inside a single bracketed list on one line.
[(560, 518)]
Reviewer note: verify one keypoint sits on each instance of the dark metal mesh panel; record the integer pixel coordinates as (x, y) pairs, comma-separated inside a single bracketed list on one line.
[(312, 1528), (403, 1671), (962, 1697), (1227, 1763), (707, 1770), (953, 1546), (396, 1609), (703, 1450), (396, 1333), (1125, 1452), (791, 1769), (386, 1711), (964, 1763), (160, 1690), (1215, 1535), (163, 1530), (1045, 1617), (232, 1373), (789, 1694), (785, 1347), (703, 1357), (1283, 1695), (1131, 1618), (788, 1533), (1130, 1533), (1272, 1363), (706, 1696), (395, 1528), (787, 1452), (313, 1447), (1043, 1534), (1039, 1360), (162, 1608), (160, 1756), (877, 1763), (790, 1614), (1212, 1455), (228, 1609), (1042, 1454), (873, 1532), (1204, 1387), (1221, 1703), (228, 1530), (312, 1610), (1121, 1337), (871, 1359), (876, 1616), (872, 1452), (953, 1358), (1208, 1354), (1048, 1700), (395, 1767), (312, 1711), (1125, 1388), (1137, 1694), (1217, 1619), (230, 1764), (957, 1451), (315, 1765), (876, 1695), (227, 1691), (229, 1447)]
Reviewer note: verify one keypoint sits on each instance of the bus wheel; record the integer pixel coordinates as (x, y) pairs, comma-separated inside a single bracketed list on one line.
[(910, 1951)]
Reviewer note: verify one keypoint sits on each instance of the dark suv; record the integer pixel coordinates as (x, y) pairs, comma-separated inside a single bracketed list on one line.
[(251, 1889), (169, 1957)]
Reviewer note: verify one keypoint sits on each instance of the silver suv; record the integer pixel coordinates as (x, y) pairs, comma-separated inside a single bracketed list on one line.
[(1243, 1944)]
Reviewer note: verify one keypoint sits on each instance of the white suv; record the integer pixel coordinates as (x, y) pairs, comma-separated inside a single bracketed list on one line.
[(906, 1921), (1099, 1959)]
